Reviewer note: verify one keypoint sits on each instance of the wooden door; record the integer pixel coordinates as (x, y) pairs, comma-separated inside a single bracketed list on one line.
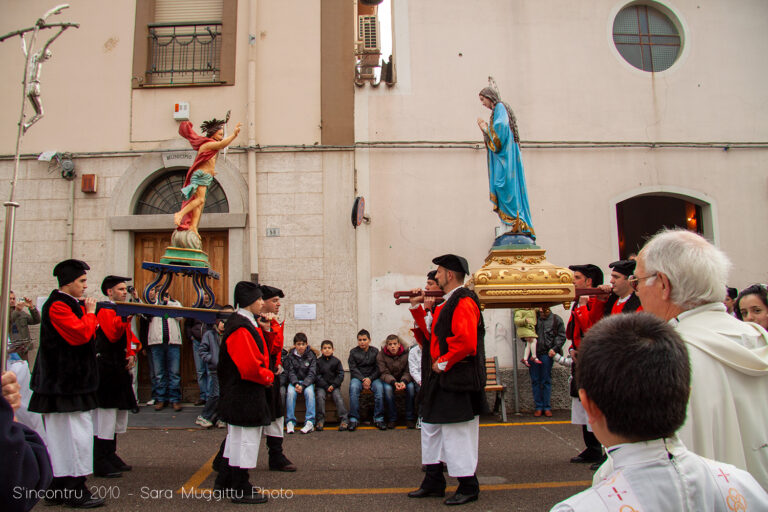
[(150, 246)]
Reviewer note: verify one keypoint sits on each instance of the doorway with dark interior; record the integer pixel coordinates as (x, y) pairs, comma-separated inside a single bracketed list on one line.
[(640, 217)]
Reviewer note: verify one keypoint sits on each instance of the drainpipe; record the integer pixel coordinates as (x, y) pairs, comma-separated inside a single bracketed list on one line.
[(253, 235), (71, 218)]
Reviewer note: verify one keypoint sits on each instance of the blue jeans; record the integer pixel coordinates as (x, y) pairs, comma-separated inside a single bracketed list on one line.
[(209, 411), (203, 380), (389, 398), (355, 386), (541, 382), (290, 403), (166, 359)]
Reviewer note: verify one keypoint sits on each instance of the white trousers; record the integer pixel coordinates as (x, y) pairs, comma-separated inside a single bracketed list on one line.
[(242, 446), (578, 414), (275, 429), (452, 443), (108, 422), (70, 442)]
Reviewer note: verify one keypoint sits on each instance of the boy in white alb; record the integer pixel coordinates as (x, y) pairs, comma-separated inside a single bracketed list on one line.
[(634, 382)]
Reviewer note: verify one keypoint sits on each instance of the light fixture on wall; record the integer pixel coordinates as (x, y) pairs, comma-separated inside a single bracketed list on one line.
[(61, 161)]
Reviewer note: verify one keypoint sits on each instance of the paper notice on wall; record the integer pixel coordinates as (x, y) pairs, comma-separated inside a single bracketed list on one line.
[(305, 311)]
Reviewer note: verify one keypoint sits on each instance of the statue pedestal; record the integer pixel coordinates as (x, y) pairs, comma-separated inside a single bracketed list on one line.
[(518, 275)]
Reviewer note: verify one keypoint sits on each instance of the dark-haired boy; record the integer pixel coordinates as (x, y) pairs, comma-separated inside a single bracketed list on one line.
[(330, 375), (301, 366), (364, 374), (634, 382)]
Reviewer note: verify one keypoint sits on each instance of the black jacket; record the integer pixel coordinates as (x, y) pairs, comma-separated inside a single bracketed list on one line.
[(301, 368), (330, 372), (241, 402), (551, 334), (65, 377), (115, 389), (26, 465), (363, 364)]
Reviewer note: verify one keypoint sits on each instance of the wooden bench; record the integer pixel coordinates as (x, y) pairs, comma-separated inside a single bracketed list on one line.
[(493, 383)]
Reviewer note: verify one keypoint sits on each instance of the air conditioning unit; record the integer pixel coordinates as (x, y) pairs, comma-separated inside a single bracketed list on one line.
[(368, 33)]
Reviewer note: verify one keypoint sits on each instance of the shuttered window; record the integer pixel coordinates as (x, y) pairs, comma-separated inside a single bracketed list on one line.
[(170, 11), (185, 42)]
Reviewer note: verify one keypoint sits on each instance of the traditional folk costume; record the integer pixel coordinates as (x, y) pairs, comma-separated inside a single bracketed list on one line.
[(244, 402), (662, 475), (582, 318), (64, 382), (452, 400), (614, 305), (114, 345), (274, 433)]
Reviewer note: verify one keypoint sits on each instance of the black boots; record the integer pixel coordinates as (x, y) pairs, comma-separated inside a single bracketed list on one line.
[(102, 465), (221, 465), (116, 461), (468, 490), (277, 460), (242, 490), (72, 492), (433, 483)]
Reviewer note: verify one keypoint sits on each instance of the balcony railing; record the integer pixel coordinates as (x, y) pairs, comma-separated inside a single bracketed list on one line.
[(184, 53)]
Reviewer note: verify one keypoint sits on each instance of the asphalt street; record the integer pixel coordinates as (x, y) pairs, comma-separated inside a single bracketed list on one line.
[(524, 465)]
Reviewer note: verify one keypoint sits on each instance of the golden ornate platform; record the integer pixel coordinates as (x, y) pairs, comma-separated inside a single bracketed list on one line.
[(522, 278)]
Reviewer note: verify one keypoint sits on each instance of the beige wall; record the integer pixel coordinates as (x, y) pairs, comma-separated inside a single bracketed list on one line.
[(90, 107), (556, 65)]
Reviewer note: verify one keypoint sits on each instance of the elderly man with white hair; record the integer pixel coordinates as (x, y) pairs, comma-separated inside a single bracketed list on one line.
[(680, 278)]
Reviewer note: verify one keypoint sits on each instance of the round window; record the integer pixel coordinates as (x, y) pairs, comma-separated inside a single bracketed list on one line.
[(646, 37)]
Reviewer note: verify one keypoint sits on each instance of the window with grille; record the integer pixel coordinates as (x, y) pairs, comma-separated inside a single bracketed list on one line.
[(163, 195), (646, 38), (184, 42)]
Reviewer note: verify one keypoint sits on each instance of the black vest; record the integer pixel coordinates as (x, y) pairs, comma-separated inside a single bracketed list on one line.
[(632, 304), (115, 389), (241, 402), (469, 373), (61, 368)]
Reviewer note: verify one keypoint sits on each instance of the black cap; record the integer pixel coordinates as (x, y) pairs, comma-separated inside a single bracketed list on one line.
[(111, 281), (591, 271), (246, 293), (452, 262), (68, 270), (269, 292), (432, 275), (626, 267)]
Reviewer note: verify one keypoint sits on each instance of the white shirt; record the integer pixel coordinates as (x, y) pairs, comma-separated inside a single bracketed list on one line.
[(662, 475)]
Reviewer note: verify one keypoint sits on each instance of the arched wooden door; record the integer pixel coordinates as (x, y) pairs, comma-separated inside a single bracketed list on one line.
[(150, 246)]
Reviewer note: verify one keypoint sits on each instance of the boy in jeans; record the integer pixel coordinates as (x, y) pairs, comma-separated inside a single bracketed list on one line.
[(209, 353), (364, 374), (330, 374), (634, 381), (301, 366)]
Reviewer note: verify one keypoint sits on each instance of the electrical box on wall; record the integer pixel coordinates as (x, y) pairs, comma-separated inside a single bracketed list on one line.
[(181, 111)]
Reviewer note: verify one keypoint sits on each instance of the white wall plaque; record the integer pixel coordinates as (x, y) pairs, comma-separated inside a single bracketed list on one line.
[(305, 311)]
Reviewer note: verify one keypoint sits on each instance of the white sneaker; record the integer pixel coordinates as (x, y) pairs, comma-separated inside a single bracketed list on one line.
[(220, 424), (418, 424), (203, 422), (307, 428), (151, 402), (289, 427)]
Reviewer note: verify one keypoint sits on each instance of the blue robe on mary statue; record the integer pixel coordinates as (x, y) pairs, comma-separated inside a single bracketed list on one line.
[(508, 192)]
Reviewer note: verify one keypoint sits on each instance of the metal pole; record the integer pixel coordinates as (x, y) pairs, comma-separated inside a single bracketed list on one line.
[(514, 366), (5, 291), (10, 219)]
